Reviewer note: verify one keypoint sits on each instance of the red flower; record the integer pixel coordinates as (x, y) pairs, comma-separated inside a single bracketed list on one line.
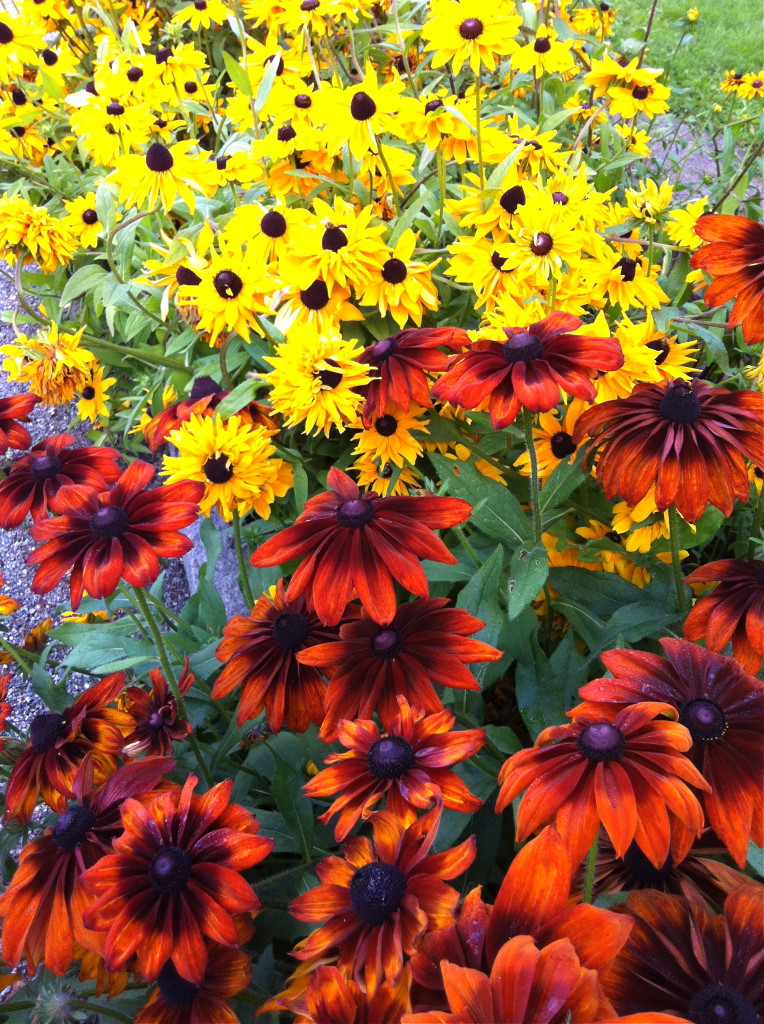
[(527, 368), (625, 771), (735, 258), (734, 611), (424, 642), (382, 898), (260, 651), (723, 709), (402, 363), (45, 902), (35, 478), (689, 439), (58, 744), (173, 879), (119, 534), (352, 541), (14, 411), (409, 765), (155, 715), (332, 998), (5, 708)]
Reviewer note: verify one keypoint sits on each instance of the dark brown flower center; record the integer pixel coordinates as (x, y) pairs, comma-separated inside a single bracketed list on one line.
[(471, 28), (45, 729), (45, 467), (643, 869), (354, 513), (386, 425), (163, 54), (115, 109), (303, 101), (387, 644), (334, 239), (662, 347), (49, 57), (280, 66), (72, 827), (88, 392), (562, 445), (560, 198), (286, 133), (362, 107), (227, 284), (542, 243), (601, 742), (542, 45), (19, 97), (135, 74), (273, 224), (6, 34), (89, 216), (680, 404), (497, 262), (310, 5), (628, 268), (432, 105), (330, 378), (157, 720), (111, 521), (170, 869), (290, 631), (200, 5), (757, 83), (704, 719), (190, 88), (202, 387), (383, 349), (316, 296), (176, 990), (640, 92), (218, 469), (158, 158), (390, 757), (718, 1004), (523, 347), (186, 277), (394, 271), (376, 891)]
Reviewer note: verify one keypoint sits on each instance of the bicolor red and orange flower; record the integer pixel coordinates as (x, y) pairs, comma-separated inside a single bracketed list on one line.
[(734, 258)]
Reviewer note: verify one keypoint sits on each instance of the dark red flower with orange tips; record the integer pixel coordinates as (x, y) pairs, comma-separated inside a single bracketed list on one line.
[(423, 643), (527, 367), (382, 897), (681, 958), (58, 744), (734, 611), (15, 410), (734, 257), (723, 709), (112, 535), (409, 764), (173, 879), (625, 771), (687, 438), (331, 998), (5, 708), (44, 904), (402, 363), (362, 542), (260, 652), (155, 715), (34, 478)]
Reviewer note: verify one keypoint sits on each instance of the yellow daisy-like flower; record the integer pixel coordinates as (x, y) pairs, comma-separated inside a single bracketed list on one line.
[(35, 234), (755, 373), (642, 525), (53, 365), (752, 85), (161, 174), (316, 379), (383, 477), (476, 35), (671, 358), (626, 281), (680, 225), (182, 262), (629, 101), (317, 305), (553, 440), (545, 55), (92, 400), (478, 262), (649, 200), (201, 14), (229, 295), (356, 115), (83, 220), (267, 232), (543, 239), (731, 81), (390, 437), (19, 43), (234, 460), (637, 141), (402, 286)]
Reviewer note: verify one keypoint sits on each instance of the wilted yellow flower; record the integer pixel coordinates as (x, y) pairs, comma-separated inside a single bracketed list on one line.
[(53, 365)]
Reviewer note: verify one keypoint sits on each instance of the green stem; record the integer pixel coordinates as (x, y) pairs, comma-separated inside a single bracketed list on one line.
[(246, 587), (441, 191), (470, 550), (675, 560), (104, 1011), (137, 353), (591, 866), (389, 173), (227, 382), (651, 233), (164, 660), (534, 477), (757, 523), (277, 877), (481, 165), (15, 654)]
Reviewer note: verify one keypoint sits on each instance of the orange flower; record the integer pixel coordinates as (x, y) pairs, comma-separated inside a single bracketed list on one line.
[(14, 411), (733, 611)]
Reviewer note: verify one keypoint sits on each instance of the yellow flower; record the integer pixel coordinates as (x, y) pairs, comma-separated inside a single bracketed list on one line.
[(752, 85), (316, 379), (383, 477), (401, 286), (390, 437), (52, 364), (19, 45), (545, 55), (636, 140), (83, 220), (544, 237), (649, 200), (161, 174), (201, 14), (692, 15), (627, 281), (680, 226), (267, 232), (476, 35), (318, 306), (46, 239), (356, 115), (671, 358), (92, 400), (755, 372), (553, 440), (234, 460), (639, 99)]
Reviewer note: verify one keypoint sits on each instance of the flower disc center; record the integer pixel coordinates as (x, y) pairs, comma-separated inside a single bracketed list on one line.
[(512, 199), (330, 378), (704, 719), (390, 757), (718, 1004), (362, 107), (175, 989), (156, 720), (88, 392), (601, 742), (72, 827), (45, 467), (680, 404), (286, 133), (394, 271), (334, 239), (303, 101), (227, 284), (376, 891), (386, 425), (274, 224), (110, 521), (643, 869), (170, 869), (560, 198), (432, 105), (290, 631), (628, 269), (523, 347), (387, 644), (542, 243), (640, 92), (355, 513), (542, 45), (45, 729), (159, 158), (89, 216), (218, 469), (316, 296), (562, 445), (203, 387), (186, 276), (471, 28), (6, 34), (383, 349)]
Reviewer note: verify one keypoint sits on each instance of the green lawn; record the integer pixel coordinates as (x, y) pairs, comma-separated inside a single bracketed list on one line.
[(729, 34)]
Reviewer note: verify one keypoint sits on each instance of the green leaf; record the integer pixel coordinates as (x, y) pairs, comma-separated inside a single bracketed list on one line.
[(496, 511), (527, 575), (407, 218), (235, 400), (238, 75), (54, 697), (481, 597), (540, 693), (82, 281), (561, 483), (272, 826), (267, 83), (295, 808), (756, 858)]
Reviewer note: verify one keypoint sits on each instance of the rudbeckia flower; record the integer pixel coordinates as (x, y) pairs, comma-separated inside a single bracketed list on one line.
[(35, 478), (355, 115), (553, 440), (626, 771), (259, 652), (53, 364), (409, 764), (545, 55), (352, 542), (119, 534), (401, 285), (155, 714), (161, 174), (201, 14), (734, 257), (723, 709), (15, 410), (390, 437), (527, 369), (381, 898), (476, 36), (649, 100), (332, 998), (83, 219), (687, 438), (92, 398), (733, 611), (173, 879)]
